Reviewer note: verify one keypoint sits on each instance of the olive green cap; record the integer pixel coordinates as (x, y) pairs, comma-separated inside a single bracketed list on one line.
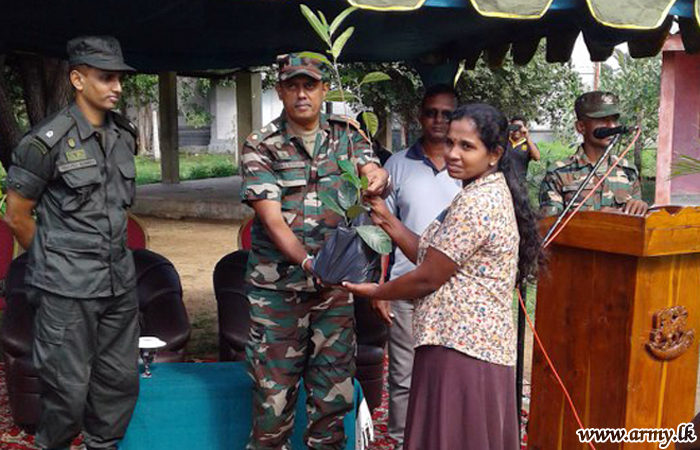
[(101, 52), (596, 105)]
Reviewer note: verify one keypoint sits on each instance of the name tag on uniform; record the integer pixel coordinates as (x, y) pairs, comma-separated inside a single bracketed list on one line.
[(292, 183), (77, 165), (281, 165)]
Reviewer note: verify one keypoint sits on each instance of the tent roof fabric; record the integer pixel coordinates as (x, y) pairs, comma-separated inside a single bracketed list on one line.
[(634, 15), (200, 35)]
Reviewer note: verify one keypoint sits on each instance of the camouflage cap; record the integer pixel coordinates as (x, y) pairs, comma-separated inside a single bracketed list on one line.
[(596, 105), (292, 64), (101, 52)]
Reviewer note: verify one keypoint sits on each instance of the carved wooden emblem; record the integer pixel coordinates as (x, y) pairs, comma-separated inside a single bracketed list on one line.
[(669, 337)]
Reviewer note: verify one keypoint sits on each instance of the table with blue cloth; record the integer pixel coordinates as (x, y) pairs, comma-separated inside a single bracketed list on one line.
[(205, 406)]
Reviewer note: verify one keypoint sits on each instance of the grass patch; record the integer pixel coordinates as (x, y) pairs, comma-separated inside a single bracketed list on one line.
[(204, 340), (192, 167), (530, 301)]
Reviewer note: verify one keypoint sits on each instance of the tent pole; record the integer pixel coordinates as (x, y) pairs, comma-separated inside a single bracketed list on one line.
[(167, 105)]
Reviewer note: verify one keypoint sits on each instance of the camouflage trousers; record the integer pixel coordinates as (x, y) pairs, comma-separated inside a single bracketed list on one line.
[(294, 335)]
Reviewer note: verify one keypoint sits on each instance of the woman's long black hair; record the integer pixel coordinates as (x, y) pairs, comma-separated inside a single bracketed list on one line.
[(492, 126)]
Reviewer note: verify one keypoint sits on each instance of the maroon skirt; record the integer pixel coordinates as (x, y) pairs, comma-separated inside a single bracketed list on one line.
[(460, 403)]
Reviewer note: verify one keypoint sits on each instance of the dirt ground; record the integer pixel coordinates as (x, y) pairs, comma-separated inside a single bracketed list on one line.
[(194, 247)]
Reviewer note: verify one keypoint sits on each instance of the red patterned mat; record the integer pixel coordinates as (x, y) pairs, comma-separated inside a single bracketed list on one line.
[(11, 437)]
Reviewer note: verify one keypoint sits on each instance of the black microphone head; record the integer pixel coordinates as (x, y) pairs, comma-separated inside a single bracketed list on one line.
[(604, 132)]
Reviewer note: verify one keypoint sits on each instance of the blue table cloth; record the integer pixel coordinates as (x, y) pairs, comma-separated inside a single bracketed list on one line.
[(204, 406)]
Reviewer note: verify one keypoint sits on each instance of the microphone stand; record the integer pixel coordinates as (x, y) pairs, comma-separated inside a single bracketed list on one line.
[(581, 187)]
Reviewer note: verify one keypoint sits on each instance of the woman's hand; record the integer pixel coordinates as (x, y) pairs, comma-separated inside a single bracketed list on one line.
[(380, 212), (383, 309), (361, 290)]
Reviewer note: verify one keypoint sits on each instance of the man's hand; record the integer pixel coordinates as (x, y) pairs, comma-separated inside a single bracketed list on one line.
[(635, 207), (377, 177), (383, 309), (308, 265)]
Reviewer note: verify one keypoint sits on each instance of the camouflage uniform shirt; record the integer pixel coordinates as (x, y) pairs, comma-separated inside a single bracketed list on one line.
[(564, 177), (276, 166)]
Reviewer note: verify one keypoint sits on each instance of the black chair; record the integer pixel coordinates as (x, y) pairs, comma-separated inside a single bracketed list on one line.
[(162, 314), (234, 324), (232, 305)]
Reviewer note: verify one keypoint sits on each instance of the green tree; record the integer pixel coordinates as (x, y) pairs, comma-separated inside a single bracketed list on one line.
[(398, 98), (192, 93), (31, 87), (540, 91), (638, 83), (140, 94)]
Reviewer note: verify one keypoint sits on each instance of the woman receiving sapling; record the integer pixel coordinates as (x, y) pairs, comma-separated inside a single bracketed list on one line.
[(468, 261)]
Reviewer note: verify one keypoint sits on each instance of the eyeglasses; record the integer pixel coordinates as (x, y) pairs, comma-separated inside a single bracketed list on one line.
[(433, 113)]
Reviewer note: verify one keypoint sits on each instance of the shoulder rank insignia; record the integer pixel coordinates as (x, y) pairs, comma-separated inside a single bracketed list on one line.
[(54, 130), (258, 136)]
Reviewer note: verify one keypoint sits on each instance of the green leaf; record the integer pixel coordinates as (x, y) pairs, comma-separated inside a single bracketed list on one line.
[(460, 71), (372, 122), (365, 182), (335, 96), (374, 77), (339, 43), (352, 179), (329, 202), (686, 165), (347, 195), (317, 56), (339, 19), (348, 167), (375, 238), (323, 19), (316, 24), (355, 211)]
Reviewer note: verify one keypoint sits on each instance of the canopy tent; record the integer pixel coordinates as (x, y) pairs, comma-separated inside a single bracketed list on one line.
[(197, 35)]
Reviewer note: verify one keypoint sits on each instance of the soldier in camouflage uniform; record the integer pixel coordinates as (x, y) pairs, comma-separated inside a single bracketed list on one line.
[(299, 329), (620, 192)]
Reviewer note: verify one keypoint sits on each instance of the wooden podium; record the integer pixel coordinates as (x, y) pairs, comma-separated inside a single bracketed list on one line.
[(619, 313)]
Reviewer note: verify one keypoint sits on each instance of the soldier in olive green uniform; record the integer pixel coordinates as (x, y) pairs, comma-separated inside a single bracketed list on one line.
[(620, 192), (77, 171), (299, 329)]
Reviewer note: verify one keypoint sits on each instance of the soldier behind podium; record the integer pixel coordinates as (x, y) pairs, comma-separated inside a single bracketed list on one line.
[(298, 328), (620, 192), (76, 171)]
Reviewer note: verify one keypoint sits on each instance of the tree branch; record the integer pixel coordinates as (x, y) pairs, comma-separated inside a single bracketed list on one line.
[(58, 88), (10, 133), (33, 87)]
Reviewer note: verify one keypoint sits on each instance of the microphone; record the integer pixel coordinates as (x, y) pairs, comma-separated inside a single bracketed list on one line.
[(602, 133)]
